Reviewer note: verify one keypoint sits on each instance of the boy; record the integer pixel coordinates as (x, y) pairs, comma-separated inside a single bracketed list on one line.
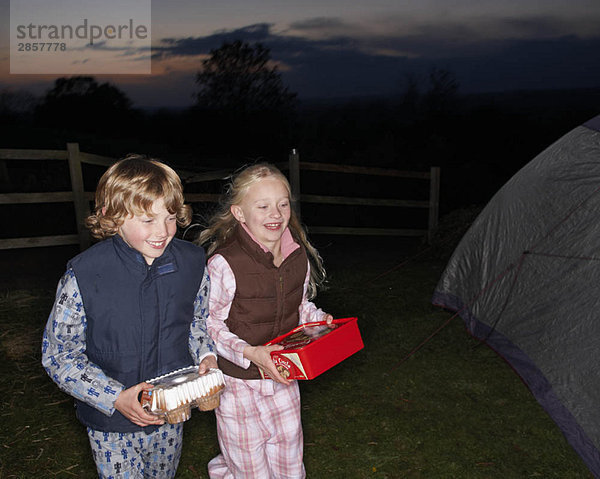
[(130, 308)]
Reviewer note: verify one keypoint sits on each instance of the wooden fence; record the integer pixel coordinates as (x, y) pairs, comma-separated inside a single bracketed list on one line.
[(82, 199)]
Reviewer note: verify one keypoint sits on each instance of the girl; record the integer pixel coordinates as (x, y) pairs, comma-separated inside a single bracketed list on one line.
[(263, 272)]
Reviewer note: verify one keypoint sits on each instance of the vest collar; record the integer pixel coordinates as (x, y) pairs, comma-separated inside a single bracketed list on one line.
[(164, 264), (288, 245)]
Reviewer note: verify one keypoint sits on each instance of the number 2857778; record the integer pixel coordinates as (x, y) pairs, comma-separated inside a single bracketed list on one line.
[(42, 47)]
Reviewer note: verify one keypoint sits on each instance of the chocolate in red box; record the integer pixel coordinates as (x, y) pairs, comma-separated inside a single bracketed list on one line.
[(313, 348)]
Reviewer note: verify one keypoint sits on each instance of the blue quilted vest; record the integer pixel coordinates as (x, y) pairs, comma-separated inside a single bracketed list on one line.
[(138, 315)]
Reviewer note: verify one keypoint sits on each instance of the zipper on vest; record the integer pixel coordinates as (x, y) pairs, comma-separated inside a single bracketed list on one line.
[(280, 308), (142, 368)]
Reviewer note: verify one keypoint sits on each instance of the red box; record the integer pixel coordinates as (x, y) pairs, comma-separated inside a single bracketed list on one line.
[(312, 348)]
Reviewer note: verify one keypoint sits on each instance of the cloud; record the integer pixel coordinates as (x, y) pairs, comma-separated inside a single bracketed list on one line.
[(319, 23), (166, 47), (390, 36), (538, 27), (324, 27), (331, 57), (529, 55)]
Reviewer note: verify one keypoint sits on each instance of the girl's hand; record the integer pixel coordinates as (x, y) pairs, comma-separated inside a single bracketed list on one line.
[(207, 363), (127, 403), (328, 318), (261, 356)]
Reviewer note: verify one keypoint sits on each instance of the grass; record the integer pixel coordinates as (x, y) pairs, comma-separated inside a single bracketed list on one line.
[(453, 409)]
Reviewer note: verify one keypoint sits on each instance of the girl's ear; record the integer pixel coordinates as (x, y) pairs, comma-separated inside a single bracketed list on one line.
[(237, 213), (104, 211)]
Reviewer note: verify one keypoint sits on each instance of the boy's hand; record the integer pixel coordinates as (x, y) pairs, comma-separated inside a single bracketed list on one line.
[(127, 403), (207, 363), (261, 356)]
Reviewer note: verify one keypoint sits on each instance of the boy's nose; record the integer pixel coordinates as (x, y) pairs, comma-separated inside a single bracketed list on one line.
[(161, 229)]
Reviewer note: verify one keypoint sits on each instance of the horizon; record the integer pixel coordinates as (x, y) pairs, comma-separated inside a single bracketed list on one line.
[(336, 50)]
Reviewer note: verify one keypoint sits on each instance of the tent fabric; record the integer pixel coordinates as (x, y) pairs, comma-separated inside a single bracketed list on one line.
[(525, 278)]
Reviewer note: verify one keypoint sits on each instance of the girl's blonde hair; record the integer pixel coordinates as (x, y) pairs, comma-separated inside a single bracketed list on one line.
[(222, 224), (130, 187)]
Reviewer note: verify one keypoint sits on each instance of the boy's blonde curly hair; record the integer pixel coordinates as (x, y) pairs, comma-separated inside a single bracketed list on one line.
[(130, 187)]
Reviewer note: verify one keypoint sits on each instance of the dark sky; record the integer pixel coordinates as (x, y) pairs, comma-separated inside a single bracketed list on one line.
[(346, 48)]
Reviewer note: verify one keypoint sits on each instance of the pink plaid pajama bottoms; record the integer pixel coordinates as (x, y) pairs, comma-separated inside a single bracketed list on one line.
[(260, 435)]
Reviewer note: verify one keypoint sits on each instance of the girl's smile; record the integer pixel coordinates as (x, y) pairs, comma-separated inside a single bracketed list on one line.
[(273, 226), (265, 210)]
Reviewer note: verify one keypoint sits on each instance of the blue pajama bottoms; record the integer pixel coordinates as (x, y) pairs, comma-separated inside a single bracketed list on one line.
[(137, 455)]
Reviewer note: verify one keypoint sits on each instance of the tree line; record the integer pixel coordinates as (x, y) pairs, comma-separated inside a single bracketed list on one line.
[(243, 111), (240, 95)]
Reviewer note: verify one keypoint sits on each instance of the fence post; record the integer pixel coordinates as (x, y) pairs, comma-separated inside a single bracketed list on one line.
[(82, 208), (4, 178), (434, 201), (294, 160)]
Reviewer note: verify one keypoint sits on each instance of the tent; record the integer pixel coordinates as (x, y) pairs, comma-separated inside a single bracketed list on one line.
[(525, 278)]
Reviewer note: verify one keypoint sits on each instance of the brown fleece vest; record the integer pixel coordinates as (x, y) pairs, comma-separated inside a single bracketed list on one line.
[(266, 298)]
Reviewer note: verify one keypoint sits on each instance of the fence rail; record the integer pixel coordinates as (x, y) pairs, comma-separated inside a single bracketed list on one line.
[(81, 199), (77, 195), (431, 204)]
